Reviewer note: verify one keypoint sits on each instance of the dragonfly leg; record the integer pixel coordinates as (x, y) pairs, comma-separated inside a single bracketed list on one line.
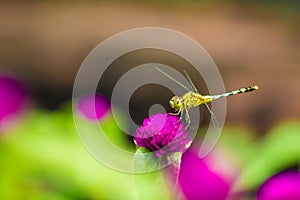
[(175, 113), (179, 112)]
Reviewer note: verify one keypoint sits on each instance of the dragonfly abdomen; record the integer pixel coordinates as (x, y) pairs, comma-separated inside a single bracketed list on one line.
[(234, 92)]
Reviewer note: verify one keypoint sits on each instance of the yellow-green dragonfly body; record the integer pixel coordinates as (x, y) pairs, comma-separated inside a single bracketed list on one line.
[(194, 98)]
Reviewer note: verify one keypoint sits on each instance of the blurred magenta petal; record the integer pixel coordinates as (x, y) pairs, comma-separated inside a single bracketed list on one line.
[(93, 107), (12, 98), (162, 133), (197, 181), (283, 186)]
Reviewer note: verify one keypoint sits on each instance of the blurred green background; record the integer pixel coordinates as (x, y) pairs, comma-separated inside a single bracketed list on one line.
[(44, 42)]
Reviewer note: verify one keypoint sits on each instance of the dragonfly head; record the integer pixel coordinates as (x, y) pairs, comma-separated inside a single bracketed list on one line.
[(176, 103)]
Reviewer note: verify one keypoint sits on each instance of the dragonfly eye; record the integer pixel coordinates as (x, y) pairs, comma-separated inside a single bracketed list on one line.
[(175, 102), (172, 103)]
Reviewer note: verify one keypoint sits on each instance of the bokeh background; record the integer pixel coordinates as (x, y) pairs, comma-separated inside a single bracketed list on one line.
[(42, 44)]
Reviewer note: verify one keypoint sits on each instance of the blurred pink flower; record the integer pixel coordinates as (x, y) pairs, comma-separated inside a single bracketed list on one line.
[(162, 134), (282, 186), (93, 107), (198, 181), (12, 99)]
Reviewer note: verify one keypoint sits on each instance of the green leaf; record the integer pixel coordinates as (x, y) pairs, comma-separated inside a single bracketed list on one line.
[(278, 151), (145, 161), (149, 179)]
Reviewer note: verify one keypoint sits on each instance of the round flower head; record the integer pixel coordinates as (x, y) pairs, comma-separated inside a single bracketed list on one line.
[(282, 186), (162, 134), (198, 181), (12, 98), (93, 107)]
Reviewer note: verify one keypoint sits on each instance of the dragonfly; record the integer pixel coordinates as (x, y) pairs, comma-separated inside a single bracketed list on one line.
[(182, 104)]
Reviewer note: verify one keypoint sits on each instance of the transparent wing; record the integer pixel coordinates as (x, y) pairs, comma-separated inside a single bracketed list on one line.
[(213, 117), (190, 81), (173, 79)]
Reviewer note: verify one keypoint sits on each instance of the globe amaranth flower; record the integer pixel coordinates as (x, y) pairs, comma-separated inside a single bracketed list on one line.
[(282, 186), (13, 98), (93, 107), (163, 134), (198, 181)]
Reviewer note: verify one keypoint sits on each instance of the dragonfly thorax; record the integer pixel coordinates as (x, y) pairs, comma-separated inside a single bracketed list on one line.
[(176, 103)]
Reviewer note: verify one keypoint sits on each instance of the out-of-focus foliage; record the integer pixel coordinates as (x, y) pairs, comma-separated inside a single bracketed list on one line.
[(43, 158), (279, 150)]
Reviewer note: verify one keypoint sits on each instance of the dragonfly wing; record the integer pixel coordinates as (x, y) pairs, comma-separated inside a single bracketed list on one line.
[(190, 81), (173, 79), (213, 117)]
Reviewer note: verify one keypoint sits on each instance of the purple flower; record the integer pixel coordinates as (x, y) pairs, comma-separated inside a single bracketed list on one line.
[(162, 134), (93, 107), (198, 181), (12, 98), (283, 186)]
